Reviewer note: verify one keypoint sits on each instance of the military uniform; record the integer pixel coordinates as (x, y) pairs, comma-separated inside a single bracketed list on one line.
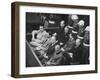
[(68, 48), (86, 47)]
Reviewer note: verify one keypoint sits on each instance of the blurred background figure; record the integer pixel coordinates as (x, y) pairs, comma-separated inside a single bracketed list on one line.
[(62, 24), (51, 21), (72, 21)]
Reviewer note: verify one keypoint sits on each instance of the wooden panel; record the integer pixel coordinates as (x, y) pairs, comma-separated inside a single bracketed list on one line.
[(31, 58)]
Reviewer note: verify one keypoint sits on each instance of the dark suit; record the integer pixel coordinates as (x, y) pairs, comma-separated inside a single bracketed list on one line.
[(62, 36), (51, 50), (86, 49), (78, 53), (69, 48)]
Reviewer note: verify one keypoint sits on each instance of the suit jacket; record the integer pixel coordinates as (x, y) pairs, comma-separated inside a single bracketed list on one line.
[(62, 37), (51, 50), (69, 46)]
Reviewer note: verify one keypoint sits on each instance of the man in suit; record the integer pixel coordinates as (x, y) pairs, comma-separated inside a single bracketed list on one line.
[(78, 51), (51, 47), (63, 35), (68, 49), (56, 57)]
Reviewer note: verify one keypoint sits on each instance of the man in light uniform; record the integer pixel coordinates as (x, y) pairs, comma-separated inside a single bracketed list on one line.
[(41, 36)]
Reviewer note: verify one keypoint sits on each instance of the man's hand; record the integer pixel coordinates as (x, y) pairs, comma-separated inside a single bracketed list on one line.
[(62, 49)]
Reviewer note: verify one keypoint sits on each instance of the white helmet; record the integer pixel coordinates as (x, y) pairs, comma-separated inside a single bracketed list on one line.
[(87, 28), (74, 17), (81, 23)]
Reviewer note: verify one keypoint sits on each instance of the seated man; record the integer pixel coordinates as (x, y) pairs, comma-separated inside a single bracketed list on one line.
[(63, 36), (56, 56), (41, 36), (78, 51), (43, 47), (68, 50), (50, 41), (47, 48)]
